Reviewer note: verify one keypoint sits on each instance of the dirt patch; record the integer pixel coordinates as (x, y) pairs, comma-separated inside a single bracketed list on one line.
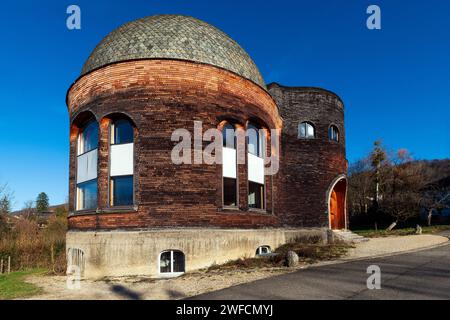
[(190, 284)]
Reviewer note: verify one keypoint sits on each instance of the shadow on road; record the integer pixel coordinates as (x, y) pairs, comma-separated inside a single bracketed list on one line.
[(125, 292)]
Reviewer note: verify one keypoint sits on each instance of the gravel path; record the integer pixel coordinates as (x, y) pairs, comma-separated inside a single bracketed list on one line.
[(199, 282), (390, 245)]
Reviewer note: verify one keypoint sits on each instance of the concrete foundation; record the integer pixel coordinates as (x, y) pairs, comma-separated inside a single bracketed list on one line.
[(126, 253)]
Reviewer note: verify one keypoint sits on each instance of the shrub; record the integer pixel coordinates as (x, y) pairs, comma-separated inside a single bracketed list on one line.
[(31, 247)]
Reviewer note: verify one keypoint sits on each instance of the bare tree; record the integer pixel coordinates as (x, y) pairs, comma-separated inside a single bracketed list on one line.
[(403, 183), (360, 184), (435, 196), (28, 209)]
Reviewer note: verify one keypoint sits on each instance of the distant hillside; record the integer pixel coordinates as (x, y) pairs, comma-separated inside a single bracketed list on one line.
[(431, 170), (51, 209), (434, 170)]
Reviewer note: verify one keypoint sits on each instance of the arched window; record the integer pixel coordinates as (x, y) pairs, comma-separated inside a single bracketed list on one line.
[(229, 167), (88, 138), (333, 133), (306, 130), (255, 164), (122, 163), (256, 139), (229, 136), (171, 262), (263, 250), (86, 196), (122, 132)]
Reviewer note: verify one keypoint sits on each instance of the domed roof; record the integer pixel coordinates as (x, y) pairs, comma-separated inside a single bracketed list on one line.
[(173, 37)]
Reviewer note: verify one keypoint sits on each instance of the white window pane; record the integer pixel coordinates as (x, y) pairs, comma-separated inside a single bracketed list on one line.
[(87, 166), (310, 130), (122, 159), (229, 162), (255, 169), (302, 130)]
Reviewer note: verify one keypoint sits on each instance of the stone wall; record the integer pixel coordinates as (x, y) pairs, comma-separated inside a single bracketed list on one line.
[(127, 253)]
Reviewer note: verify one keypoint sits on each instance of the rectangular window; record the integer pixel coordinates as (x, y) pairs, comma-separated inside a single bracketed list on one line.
[(255, 195), (122, 191), (87, 195), (229, 192)]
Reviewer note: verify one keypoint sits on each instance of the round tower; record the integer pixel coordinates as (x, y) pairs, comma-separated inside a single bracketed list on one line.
[(311, 184)]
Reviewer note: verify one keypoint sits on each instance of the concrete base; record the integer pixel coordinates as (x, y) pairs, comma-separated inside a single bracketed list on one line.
[(127, 253)]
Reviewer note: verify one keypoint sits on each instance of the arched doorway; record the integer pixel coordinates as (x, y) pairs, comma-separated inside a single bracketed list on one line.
[(336, 204)]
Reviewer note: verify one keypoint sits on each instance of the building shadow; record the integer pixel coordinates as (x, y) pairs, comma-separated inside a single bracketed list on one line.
[(125, 292)]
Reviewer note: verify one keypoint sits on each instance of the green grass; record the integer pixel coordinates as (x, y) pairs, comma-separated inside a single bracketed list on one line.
[(371, 233), (13, 285)]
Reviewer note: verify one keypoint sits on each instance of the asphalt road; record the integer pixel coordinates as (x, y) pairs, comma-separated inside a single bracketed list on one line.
[(420, 275)]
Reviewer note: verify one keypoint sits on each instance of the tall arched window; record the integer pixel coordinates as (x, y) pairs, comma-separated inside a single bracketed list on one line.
[(86, 198), (229, 174), (306, 130), (333, 133), (255, 164), (122, 163)]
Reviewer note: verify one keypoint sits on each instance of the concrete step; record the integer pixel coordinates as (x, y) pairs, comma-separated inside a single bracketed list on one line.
[(348, 236)]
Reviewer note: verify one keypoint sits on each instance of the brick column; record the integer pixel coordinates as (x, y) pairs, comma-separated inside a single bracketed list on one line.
[(103, 164), (72, 166), (242, 170), (268, 179)]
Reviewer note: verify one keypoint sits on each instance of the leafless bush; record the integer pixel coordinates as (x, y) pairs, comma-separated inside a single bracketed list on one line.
[(31, 247)]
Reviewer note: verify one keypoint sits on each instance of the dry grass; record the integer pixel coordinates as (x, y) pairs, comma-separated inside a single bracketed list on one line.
[(309, 251), (371, 233), (31, 247)]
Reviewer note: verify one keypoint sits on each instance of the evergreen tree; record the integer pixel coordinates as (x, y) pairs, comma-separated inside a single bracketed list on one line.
[(42, 202), (5, 205)]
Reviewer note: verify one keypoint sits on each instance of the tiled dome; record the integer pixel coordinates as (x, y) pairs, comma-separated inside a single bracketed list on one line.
[(173, 37)]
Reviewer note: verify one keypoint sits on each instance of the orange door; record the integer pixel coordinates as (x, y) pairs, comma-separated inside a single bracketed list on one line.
[(333, 209), (337, 206)]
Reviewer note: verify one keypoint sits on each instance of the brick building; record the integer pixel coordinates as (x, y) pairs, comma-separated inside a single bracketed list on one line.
[(133, 210)]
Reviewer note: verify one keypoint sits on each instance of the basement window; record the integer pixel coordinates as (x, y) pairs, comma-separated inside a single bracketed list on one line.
[(263, 250), (171, 262)]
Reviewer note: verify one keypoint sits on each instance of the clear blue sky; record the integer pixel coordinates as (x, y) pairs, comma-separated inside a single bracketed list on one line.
[(395, 82)]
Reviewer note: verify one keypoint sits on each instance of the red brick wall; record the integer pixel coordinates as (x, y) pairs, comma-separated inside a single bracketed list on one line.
[(161, 96)]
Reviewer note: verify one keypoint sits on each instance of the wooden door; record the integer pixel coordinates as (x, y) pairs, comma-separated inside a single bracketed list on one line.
[(337, 205)]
